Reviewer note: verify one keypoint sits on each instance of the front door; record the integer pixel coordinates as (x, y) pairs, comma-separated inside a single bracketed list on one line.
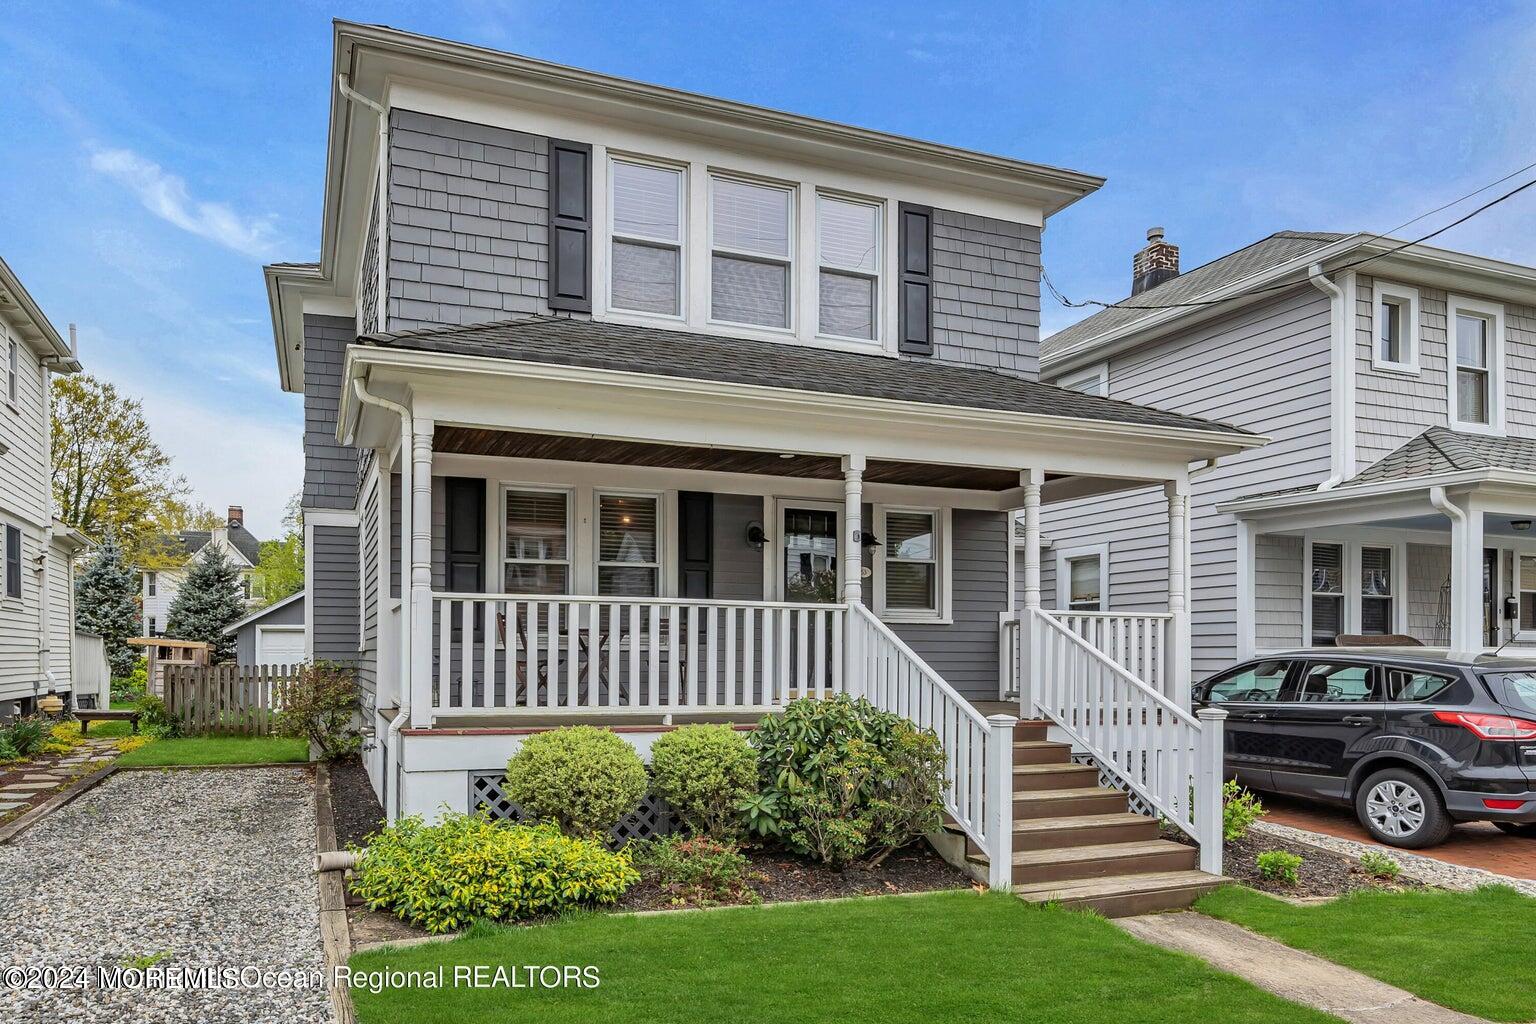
[(1330, 715), (809, 569)]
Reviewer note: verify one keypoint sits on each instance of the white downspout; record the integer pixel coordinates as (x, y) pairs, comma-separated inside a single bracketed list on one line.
[(407, 477), (44, 641), (344, 83), (1338, 327)]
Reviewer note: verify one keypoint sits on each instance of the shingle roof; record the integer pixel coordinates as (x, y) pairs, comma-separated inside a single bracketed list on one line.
[(192, 541), (1442, 450), (1194, 285), (563, 341)]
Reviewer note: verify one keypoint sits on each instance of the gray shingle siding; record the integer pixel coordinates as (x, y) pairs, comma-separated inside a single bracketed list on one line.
[(468, 211), (333, 589), (330, 470), (1278, 595), (986, 293)]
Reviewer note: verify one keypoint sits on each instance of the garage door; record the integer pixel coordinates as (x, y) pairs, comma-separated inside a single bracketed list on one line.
[(276, 645)]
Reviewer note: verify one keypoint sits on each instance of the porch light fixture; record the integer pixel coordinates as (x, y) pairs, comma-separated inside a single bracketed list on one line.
[(868, 540), (755, 535), (1520, 524)]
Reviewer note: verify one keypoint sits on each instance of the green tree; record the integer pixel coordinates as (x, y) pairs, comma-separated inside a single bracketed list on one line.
[(280, 569), (106, 603), (209, 600), (109, 475)]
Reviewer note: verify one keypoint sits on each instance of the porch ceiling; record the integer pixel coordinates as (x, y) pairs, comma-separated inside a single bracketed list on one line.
[(460, 440)]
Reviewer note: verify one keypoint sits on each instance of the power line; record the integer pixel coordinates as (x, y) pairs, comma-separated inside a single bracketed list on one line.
[(1123, 304)]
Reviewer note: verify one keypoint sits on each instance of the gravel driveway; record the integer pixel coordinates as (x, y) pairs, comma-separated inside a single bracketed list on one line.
[(202, 868)]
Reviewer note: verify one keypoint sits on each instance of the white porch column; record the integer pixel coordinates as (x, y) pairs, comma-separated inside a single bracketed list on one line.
[(420, 595), (1467, 627), (853, 526), (1179, 638), (1031, 480)]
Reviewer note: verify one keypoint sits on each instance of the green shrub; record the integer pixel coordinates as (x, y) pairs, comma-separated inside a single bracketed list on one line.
[(8, 753), (155, 720), (705, 772), (698, 871), (1380, 866), (582, 778), (1239, 810), (319, 704), (1279, 866), (468, 867), (132, 686), (846, 780), (26, 736)]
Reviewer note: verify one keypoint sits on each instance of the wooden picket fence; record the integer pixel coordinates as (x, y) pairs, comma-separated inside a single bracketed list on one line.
[(226, 700)]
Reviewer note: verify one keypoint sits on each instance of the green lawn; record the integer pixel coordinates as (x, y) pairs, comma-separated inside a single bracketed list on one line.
[(1468, 951), (218, 750), (941, 957)]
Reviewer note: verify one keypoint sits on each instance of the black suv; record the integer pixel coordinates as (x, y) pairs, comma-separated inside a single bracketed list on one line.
[(1414, 741)]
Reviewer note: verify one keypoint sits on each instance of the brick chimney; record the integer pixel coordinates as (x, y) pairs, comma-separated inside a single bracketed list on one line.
[(237, 514), (1157, 263)]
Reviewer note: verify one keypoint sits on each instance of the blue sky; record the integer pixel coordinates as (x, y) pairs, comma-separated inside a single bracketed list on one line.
[(152, 156)]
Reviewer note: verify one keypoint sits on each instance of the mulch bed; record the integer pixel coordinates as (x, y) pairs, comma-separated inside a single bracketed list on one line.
[(353, 803), (1322, 874)]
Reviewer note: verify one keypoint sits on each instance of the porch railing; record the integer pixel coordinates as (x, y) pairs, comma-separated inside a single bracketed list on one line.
[(1136, 641), (1168, 758)]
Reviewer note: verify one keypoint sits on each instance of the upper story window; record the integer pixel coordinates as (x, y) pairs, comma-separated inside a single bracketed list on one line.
[(751, 253), (646, 232), (1395, 344), (1091, 380), (151, 584), (848, 254), (1476, 346)]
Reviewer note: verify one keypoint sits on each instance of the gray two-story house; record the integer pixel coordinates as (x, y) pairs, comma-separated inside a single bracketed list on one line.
[(1397, 384), (632, 406)]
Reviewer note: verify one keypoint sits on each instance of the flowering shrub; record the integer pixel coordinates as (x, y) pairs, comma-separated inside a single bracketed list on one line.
[(467, 867), (582, 778)]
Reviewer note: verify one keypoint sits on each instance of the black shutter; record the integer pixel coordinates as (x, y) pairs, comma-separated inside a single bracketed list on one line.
[(12, 561), (915, 322), (464, 541), (570, 226), (695, 544)]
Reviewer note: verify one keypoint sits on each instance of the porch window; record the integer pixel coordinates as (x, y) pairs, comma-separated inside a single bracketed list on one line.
[(911, 561), (1327, 588), (1086, 578), (628, 559), (848, 252), (646, 264), (537, 557), (1376, 591), (751, 240), (1527, 593)]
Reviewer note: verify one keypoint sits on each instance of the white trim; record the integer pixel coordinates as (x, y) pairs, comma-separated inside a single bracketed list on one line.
[(878, 277), (943, 562), (1407, 298), (1075, 380), (790, 261), (1493, 314), (1064, 557), (262, 631), (1351, 541), (329, 517), (297, 595)]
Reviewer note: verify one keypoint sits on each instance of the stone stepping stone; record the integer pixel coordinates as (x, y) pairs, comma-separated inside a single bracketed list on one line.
[(26, 787), (10, 805), (42, 778)]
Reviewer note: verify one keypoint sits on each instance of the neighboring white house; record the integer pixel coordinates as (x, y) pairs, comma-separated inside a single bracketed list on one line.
[(37, 552), (159, 586), (1398, 387)]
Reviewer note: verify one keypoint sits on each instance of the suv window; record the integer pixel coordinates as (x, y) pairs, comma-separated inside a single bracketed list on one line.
[(1516, 691), (1333, 682), (1404, 685), (1259, 682)]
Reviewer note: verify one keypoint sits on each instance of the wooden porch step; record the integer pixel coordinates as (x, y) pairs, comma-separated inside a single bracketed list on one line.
[(1058, 803), (1030, 729), (1125, 895), (1111, 859), (1047, 833), (1029, 778), (1041, 752)]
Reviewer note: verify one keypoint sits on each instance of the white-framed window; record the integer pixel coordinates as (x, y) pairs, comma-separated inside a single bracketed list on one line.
[(1475, 338), (803, 554), (1395, 328), (1525, 582), (536, 540), (10, 561), (13, 372), (848, 257), (153, 628), (912, 564), (628, 552), (1090, 380), (752, 245), (646, 228), (1082, 578), (151, 584), (1353, 585), (1326, 593), (1378, 591)]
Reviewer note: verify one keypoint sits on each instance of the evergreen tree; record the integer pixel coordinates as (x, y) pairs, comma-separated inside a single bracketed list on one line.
[(106, 603), (210, 599)]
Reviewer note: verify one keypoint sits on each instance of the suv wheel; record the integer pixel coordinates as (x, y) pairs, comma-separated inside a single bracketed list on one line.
[(1515, 828), (1402, 808)]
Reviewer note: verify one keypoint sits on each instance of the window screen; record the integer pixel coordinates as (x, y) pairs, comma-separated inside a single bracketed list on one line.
[(750, 260), (646, 264), (848, 250)]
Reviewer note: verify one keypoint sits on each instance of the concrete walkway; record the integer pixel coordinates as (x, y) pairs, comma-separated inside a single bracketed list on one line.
[(1289, 973)]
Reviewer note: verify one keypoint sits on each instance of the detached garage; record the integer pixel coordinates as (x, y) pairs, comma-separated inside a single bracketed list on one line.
[(273, 635)]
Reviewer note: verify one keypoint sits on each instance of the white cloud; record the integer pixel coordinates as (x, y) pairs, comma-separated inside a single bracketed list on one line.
[(165, 195)]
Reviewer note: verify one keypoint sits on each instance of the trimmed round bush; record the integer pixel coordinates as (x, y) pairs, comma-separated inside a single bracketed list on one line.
[(582, 778), (705, 772), (467, 867)]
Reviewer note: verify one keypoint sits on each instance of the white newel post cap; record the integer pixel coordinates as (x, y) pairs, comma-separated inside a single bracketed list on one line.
[(1210, 714)]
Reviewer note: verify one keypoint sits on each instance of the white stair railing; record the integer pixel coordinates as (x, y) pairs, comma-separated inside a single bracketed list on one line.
[(1158, 751), (1136, 641), (978, 764)]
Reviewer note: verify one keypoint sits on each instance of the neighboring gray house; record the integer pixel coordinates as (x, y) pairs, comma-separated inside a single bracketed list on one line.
[(1397, 386), (37, 552), (627, 405), (159, 585), (273, 635)]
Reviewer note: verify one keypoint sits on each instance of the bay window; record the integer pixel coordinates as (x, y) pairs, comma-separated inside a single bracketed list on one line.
[(646, 247), (537, 552), (628, 547), (751, 252), (848, 255)]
